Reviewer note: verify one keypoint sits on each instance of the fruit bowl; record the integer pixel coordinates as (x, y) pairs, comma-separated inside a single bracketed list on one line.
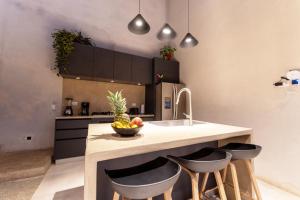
[(127, 132)]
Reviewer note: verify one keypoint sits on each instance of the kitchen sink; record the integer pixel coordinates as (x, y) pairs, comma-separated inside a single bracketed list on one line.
[(184, 122)]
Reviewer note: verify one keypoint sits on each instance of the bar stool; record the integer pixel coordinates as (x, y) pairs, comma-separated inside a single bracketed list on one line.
[(146, 180), (244, 152), (206, 160)]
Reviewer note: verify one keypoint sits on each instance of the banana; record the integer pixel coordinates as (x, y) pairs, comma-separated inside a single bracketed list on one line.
[(121, 124)]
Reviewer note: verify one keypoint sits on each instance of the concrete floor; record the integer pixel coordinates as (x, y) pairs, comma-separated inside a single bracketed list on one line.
[(22, 172), (19, 189), (59, 179), (24, 164), (64, 181)]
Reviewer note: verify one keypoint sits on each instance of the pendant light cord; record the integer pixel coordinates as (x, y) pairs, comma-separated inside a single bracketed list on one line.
[(139, 6), (188, 16)]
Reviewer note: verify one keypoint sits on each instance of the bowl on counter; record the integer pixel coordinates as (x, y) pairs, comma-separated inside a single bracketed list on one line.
[(127, 132)]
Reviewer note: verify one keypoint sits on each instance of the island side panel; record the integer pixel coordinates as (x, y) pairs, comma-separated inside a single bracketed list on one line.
[(181, 190), (90, 178), (242, 173)]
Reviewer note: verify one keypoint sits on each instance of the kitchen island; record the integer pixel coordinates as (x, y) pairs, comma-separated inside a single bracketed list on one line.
[(105, 149)]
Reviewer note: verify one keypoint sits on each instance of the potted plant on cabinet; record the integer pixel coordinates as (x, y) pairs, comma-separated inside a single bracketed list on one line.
[(167, 52), (63, 45)]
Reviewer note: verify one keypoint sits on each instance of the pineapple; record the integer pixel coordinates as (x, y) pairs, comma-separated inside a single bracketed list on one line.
[(118, 107)]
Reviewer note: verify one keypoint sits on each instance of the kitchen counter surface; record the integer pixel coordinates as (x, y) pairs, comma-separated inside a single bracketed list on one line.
[(103, 144), (100, 116)]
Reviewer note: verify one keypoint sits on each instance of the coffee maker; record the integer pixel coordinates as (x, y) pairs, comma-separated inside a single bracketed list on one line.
[(68, 110), (85, 108)]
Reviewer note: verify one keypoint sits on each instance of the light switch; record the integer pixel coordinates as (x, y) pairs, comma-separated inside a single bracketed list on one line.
[(53, 106)]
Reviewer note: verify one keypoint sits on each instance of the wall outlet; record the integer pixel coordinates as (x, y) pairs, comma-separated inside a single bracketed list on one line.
[(28, 138)]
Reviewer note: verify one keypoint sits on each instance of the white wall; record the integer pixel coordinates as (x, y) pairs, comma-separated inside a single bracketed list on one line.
[(244, 47), (27, 86)]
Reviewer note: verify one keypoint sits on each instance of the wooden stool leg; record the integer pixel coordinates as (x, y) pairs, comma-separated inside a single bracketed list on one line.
[(116, 196), (194, 180), (195, 189), (235, 181), (168, 194), (220, 185), (224, 175), (203, 185), (253, 179)]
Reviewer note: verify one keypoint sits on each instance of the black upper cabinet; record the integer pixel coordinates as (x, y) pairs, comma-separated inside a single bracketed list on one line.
[(122, 67), (93, 63), (103, 64), (169, 70), (80, 63), (141, 70)]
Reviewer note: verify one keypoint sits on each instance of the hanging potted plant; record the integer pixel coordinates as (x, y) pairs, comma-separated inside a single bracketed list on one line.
[(63, 45), (167, 52)]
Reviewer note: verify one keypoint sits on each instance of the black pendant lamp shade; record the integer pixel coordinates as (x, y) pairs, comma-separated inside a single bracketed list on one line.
[(166, 33), (189, 40), (139, 25)]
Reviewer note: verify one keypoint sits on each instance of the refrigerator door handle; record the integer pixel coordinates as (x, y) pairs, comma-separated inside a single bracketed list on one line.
[(175, 98), (173, 102), (176, 104)]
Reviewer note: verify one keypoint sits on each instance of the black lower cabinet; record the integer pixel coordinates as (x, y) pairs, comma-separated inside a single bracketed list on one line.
[(71, 134), (69, 148), (70, 138), (145, 119)]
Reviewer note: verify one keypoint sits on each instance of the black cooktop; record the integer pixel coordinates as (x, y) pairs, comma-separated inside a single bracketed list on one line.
[(102, 113)]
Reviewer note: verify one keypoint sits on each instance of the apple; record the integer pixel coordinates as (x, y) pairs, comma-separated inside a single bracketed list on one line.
[(134, 126), (136, 121)]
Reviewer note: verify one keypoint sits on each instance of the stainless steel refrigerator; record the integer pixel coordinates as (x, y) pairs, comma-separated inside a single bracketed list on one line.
[(166, 95)]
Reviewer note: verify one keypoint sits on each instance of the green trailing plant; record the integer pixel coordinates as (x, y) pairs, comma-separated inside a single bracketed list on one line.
[(63, 45), (82, 40), (167, 52)]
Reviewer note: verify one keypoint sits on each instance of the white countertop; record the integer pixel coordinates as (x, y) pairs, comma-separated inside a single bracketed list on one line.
[(100, 116), (104, 144)]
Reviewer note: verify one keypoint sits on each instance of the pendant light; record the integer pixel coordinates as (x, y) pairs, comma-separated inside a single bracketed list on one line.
[(139, 25), (166, 33), (189, 40)]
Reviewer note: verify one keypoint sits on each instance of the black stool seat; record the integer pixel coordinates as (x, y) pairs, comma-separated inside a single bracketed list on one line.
[(146, 180), (242, 151), (204, 160)]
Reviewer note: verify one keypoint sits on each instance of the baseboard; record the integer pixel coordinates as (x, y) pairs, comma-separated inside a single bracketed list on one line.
[(67, 160)]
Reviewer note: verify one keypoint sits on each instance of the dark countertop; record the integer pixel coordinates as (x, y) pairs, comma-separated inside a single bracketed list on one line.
[(100, 116)]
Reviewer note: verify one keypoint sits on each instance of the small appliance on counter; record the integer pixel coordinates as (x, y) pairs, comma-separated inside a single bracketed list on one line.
[(142, 109), (68, 110), (85, 108), (134, 111)]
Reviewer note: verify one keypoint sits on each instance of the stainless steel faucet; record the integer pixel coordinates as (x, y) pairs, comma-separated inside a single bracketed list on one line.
[(190, 115)]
